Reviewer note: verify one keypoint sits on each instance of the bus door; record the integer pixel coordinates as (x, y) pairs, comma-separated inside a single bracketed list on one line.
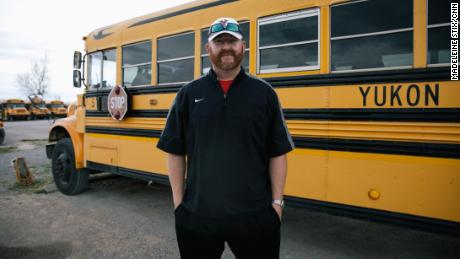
[(101, 144)]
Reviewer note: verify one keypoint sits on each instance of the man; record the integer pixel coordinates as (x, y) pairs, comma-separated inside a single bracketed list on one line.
[(230, 129)]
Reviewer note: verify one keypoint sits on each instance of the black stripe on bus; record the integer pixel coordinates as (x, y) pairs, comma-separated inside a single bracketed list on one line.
[(141, 175), (376, 114), (137, 90), (188, 10), (379, 146), (335, 144), (124, 131), (432, 74), (412, 221), (92, 113), (369, 114), (369, 77), (132, 113), (406, 220)]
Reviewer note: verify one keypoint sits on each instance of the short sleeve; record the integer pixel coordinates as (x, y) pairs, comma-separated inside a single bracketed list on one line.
[(280, 141), (172, 138)]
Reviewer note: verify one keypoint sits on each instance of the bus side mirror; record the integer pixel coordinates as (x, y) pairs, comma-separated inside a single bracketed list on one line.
[(77, 60), (77, 78)]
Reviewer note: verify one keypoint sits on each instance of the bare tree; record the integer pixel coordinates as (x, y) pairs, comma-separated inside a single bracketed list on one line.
[(36, 82)]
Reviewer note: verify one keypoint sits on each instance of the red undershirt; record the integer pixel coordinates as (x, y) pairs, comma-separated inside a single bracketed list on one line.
[(225, 84)]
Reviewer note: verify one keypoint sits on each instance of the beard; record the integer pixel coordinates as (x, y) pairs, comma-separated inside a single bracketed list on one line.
[(216, 59)]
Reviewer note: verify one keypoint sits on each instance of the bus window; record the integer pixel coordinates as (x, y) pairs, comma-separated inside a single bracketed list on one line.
[(438, 32), (371, 34), (137, 64), (206, 64), (175, 59), (109, 68), (94, 69), (289, 42), (15, 105)]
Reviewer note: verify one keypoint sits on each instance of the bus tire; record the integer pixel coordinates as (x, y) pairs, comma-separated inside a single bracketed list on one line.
[(2, 135), (68, 179)]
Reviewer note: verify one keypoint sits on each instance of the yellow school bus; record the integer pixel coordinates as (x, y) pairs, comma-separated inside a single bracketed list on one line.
[(14, 109), (364, 85), (57, 108), (37, 108), (37, 111)]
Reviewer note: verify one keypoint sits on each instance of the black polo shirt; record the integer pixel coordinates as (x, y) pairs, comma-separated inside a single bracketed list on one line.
[(228, 140)]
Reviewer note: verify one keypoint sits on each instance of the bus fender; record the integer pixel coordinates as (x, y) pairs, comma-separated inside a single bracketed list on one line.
[(66, 128)]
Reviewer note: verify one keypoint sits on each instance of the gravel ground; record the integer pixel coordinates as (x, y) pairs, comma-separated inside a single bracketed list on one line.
[(125, 218), (116, 219)]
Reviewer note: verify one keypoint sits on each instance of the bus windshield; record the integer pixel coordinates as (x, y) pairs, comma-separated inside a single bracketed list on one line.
[(15, 105)]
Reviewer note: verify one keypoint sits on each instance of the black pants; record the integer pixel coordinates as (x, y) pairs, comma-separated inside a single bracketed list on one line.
[(257, 236)]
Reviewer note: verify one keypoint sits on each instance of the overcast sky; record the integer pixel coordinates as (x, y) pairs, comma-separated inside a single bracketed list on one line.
[(29, 29)]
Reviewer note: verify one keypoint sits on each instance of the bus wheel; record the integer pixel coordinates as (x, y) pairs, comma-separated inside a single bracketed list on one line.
[(2, 136), (68, 179)]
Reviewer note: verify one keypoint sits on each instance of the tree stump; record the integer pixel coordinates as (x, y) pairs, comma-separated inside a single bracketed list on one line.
[(23, 175)]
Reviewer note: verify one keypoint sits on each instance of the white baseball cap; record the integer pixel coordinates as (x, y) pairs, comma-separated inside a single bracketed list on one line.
[(225, 25)]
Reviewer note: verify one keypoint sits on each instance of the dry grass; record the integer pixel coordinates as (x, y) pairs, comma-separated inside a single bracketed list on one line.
[(42, 178)]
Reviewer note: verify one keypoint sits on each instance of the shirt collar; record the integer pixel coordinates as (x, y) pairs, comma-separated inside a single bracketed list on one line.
[(238, 78)]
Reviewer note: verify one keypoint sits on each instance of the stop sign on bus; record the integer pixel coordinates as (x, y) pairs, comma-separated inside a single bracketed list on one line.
[(117, 103)]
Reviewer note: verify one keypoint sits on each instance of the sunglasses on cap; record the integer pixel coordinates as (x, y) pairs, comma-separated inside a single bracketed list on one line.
[(218, 27)]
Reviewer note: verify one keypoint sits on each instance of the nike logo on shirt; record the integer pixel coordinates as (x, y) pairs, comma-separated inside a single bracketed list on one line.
[(199, 100)]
